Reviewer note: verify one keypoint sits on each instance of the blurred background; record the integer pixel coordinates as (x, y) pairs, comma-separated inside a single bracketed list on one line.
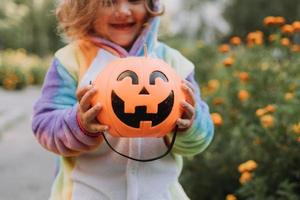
[(247, 57)]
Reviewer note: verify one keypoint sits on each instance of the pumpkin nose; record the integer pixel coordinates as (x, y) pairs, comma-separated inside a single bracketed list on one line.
[(144, 91)]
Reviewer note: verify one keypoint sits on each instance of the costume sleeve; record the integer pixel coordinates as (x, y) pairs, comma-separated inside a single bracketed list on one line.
[(200, 134), (54, 115)]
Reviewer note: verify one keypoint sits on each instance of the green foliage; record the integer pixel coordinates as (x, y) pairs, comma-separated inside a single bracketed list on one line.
[(269, 137), (2, 73), (19, 69), (28, 24), (38, 74), (14, 79), (245, 16)]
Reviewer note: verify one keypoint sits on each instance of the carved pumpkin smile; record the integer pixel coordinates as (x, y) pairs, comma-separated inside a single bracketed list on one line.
[(140, 117), (139, 106)]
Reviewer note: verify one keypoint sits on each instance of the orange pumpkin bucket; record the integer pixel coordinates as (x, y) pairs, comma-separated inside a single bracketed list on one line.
[(140, 97)]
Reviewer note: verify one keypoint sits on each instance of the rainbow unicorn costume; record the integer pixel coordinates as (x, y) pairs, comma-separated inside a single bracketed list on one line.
[(100, 174)]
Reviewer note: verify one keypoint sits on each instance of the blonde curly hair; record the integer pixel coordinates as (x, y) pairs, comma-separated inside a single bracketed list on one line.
[(76, 17)]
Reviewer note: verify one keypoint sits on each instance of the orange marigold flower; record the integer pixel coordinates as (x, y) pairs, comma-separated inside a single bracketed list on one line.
[(10, 81), (295, 48), (285, 42), (272, 37), (267, 121), (248, 166), (235, 40), (288, 96), (217, 119), (296, 128), (213, 85), (245, 177), (224, 48), (244, 76), (242, 168), (298, 139), (260, 112), (218, 101), (270, 108), (230, 197), (296, 26), (269, 20), (287, 29), (279, 20), (255, 38), (251, 165), (243, 95), (228, 61)]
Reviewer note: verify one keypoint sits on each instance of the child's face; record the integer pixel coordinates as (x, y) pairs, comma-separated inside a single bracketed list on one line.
[(121, 21)]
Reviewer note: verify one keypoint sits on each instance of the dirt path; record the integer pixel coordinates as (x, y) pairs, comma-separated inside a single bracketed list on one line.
[(26, 169)]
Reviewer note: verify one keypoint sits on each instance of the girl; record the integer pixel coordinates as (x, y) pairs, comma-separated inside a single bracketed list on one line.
[(64, 120)]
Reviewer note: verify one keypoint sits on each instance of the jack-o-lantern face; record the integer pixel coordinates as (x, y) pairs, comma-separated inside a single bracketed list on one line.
[(133, 110), (140, 97)]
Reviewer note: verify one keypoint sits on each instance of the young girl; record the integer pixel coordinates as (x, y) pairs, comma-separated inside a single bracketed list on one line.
[(64, 121)]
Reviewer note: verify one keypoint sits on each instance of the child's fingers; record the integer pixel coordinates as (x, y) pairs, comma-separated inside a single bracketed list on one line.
[(96, 127), (190, 85), (85, 102), (189, 94), (92, 113), (189, 110), (81, 91), (183, 123)]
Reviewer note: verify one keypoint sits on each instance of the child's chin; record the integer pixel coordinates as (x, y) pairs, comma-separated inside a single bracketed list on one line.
[(124, 44)]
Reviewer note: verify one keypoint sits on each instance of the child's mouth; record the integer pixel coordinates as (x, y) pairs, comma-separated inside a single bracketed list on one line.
[(123, 26)]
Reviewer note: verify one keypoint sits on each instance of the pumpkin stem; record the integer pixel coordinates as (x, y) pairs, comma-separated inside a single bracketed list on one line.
[(145, 50)]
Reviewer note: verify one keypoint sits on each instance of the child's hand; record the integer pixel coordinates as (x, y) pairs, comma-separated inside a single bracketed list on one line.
[(87, 113), (188, 107)]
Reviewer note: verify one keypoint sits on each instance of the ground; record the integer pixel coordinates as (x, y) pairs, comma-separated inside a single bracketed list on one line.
[(26, 169)]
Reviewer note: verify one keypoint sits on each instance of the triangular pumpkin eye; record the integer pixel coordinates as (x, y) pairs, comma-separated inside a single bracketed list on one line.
[(131, 74), (157, 74)]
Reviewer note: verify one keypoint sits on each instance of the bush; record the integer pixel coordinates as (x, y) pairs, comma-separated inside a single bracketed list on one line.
[(29, 24), (19, 69), (253, 93), (37, 74), (13, 79), (245, 16)]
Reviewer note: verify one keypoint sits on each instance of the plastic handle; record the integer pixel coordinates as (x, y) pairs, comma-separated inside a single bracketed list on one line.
[(145, 160)]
